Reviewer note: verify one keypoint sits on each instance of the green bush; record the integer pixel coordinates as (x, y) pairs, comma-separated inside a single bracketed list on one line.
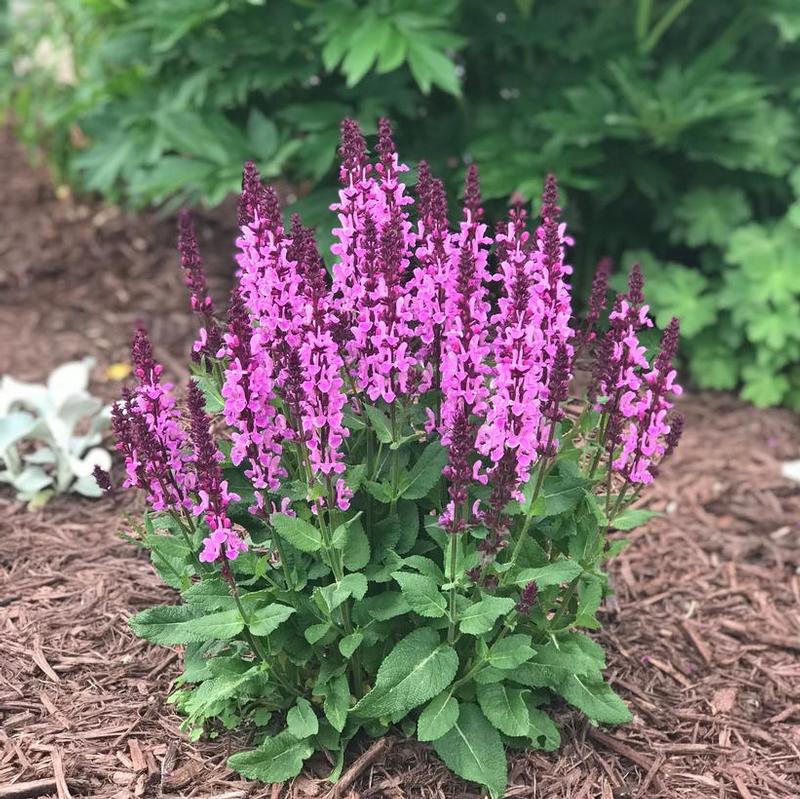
[(672, 125)]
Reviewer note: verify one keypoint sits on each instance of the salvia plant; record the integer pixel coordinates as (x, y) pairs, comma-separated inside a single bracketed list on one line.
[(382, 503)]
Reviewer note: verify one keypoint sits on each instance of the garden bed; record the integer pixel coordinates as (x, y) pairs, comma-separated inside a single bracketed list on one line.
[(703, 636)]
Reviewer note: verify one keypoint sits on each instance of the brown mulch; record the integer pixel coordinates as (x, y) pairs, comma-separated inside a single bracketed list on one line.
[(703, 637)]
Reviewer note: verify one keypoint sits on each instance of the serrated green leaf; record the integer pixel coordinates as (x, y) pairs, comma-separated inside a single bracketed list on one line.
[(299, 533), (438, 717), (350, 643), (356, 548), (387, 605), (354, 585), (481, 617), (278, 759), (337, 701), (422, 594), (425, 472), (589, 597), (267, 619), (418, 668), (316, 632), (511, 651), (505, 708), (572, 653), (474, 750), (595, 698), (380, 423), (560, 571), (542, 731), (301, 721), (181, 624), (632, 518)]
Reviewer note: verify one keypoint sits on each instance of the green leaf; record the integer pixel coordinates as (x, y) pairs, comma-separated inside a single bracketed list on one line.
[(171, 558), (278, 759), (422, 594), (301, 721), (387, 605), (595, 698), (559, 571), (474, 750), (571, 653), (268, 619), (181, 624), (480, 617), (380, 491), (511, 651), (350, 643), (542, 732), (316, 632), (429, 66), (262, 133), (354, 585), (418, 668), (337, 701), (632, 518), (300, 534), (589, 598), (505, 708), (426, 472), (562, 493), (438, 717), (356, 548), (380, 423)]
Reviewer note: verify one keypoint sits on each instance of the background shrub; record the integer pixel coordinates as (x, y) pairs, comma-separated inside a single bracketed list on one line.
[(672, 126)]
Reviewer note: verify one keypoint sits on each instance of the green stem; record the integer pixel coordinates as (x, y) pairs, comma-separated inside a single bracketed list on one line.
[(663, 25), (543, 469), (454, 546), (564, 607)]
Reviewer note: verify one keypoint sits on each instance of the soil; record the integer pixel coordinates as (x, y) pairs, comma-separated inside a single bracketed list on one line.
[(702, 637)]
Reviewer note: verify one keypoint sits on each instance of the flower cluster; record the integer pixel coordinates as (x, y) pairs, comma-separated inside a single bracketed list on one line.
[(213, 496), (409, 308), (402, 428), (209, 340), (146, 423), (636, 395)]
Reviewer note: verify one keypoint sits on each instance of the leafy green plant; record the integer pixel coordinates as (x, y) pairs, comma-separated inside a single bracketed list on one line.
[(49, 434), (670, 123), (401, 525)]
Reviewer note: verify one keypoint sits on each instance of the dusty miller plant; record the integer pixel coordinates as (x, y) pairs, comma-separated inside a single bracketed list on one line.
[(50, 434), (400, 516)]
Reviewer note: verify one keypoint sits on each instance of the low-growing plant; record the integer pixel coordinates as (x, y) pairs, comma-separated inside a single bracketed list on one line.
[(403, 522), (49, 434)]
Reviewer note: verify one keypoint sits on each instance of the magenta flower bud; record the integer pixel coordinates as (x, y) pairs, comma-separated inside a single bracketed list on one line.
[(473, 202), (597, 298), (102, 478), (210, 340), (352, 151), (527, 599), (257, 202)]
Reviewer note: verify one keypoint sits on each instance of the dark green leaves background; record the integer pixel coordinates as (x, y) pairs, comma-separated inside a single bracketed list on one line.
[(672, 126)]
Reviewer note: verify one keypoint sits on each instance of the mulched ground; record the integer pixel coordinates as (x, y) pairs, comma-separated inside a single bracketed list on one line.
[(703, 637)]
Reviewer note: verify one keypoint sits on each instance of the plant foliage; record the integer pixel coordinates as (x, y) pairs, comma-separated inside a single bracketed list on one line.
[(671, 124), (401, 524)]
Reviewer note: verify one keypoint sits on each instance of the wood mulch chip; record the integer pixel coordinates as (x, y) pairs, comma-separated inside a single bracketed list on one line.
[(702, 636)]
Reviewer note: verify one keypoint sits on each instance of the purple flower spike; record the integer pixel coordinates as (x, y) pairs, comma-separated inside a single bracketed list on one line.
[(102, 478), (210, 339), (527, 598), (597, 299), (212, 490)]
